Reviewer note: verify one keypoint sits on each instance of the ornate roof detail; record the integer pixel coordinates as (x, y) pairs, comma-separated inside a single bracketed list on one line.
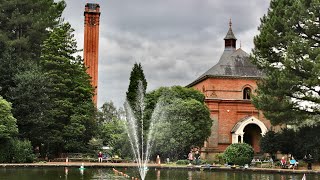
[(230, 34)]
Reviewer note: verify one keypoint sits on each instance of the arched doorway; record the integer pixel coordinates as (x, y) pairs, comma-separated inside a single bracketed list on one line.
[(249, 130), (252, 136)]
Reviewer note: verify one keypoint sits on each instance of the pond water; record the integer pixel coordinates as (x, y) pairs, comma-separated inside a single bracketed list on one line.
[(56, 173)]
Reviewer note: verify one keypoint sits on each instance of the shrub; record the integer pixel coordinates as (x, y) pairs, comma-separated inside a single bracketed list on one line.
[(239, 153), (22, 151), (219, 158), (182, 162), (5, 151)]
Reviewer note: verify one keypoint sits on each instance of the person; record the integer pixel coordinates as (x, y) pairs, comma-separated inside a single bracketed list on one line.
[(100, 155), (283, 162), (190, 157), (197, 157), (293, 163), (308, 158), (158, 161)]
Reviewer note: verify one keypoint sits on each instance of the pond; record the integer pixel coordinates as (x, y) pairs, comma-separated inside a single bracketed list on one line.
[(72, 173)]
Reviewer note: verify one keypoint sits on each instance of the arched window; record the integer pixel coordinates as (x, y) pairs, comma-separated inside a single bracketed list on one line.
[(246, 93)]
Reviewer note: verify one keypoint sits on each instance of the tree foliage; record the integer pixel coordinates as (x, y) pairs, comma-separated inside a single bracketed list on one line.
[(70, 119), (137, 79), (186, 121), (239, 153), (112, 130), (269, 143), (24, 27), (8, 126), (287, 49), (298, 142)]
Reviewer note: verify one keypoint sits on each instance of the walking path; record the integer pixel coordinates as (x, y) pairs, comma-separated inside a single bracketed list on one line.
[(301, 170)]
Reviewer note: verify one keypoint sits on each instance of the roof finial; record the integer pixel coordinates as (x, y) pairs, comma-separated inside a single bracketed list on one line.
[(230, 23), (240, 43)]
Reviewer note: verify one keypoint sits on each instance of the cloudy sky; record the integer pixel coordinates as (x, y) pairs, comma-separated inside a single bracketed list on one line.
[(175, 40)]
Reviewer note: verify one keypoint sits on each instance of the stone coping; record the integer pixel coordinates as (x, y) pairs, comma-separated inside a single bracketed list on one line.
[(162, 166)]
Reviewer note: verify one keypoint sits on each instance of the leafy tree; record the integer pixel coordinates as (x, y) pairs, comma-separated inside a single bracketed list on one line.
[(108, 112), (12, 149), (24, 27), (8, 126), (112, 130), (71, 122), (239, 153), (287, 49), (186, 120), (31, 103), (22, 151)]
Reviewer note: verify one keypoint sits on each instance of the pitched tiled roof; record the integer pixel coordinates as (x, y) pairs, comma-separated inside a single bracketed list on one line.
[(232, 64)]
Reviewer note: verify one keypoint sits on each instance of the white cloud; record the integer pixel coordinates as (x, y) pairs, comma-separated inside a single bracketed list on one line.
[(175, 40)]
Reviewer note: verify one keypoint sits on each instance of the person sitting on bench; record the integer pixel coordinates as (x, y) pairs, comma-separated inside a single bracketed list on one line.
[(293, 163), (283, 163)]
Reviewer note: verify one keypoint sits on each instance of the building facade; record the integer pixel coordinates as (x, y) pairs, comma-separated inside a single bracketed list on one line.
[(227, 87)]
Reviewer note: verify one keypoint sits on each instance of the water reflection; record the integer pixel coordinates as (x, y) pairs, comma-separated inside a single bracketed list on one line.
[(66, 171), (189, 175), (91, 173), (158, 174)]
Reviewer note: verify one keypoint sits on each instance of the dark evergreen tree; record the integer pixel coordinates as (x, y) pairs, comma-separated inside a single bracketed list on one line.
[(136, 77), (269, 143), (287, 49), (24, 25), (135, 97), (71, 122)]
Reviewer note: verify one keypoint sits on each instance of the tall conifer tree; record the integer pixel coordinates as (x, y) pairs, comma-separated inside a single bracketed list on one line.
[(287, 49), (71, 115), (136, 77), (135, 97)]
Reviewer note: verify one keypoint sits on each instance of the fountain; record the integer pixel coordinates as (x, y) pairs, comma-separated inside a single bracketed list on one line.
[(141, 144)]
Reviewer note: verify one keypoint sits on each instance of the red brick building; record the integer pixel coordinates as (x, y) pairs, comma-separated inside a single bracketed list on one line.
[(227, 87)]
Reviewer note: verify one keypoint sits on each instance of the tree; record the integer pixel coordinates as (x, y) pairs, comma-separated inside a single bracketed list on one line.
[(108, 112), (8, 126), (31, 99), (132, 95), (269, 143), (186, 121), (24, 27), (287, 49), (135, 98), (112, 130), (71, 122)]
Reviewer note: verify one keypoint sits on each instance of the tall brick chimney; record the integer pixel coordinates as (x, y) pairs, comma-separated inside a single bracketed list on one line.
[(91, 44)]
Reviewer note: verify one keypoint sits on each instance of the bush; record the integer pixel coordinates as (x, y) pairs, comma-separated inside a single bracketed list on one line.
[(239, 153), (5, 151), (182, 162), (22, 151), (219, 159), (17, 151)]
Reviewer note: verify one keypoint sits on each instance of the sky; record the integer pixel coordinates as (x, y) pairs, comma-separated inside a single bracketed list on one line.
[(174, 40)]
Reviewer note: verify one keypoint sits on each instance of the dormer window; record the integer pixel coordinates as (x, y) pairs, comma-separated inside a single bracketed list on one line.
[(246, 93)]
